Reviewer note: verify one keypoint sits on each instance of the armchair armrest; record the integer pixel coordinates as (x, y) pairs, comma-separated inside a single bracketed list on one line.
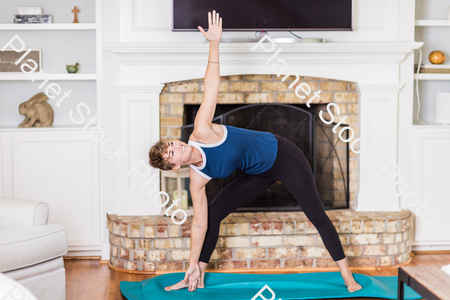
[(22, 212)]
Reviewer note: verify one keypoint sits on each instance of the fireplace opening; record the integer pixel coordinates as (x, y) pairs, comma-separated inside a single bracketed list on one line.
[(327, 154)]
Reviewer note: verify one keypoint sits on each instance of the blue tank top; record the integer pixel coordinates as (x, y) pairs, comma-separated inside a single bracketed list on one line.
[(253, 152)]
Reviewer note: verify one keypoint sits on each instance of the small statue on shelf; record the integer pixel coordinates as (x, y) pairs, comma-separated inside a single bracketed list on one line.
[(75, 10), (38, 113), (72, 68)]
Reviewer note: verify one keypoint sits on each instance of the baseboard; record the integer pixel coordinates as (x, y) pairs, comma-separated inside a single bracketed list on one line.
[(286, 270), (268, 271), (431, 251), (82, 253), (82, 257), (431, 248)]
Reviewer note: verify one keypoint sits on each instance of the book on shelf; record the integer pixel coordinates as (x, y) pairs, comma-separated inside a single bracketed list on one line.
[(426, 68), (32, 19)]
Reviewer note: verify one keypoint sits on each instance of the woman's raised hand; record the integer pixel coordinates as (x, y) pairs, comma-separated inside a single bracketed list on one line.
[(214, 27)]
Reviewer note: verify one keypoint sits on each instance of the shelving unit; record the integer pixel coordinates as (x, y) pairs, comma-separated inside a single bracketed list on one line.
[(62, 44), (13, 129), (53, 26), (434, 125), (54, 76), (432, 23), (432, 28), (432, 76), (426, 144), (60, 164)]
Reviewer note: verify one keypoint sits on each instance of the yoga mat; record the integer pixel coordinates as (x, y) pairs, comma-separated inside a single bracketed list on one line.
[(230, 286)]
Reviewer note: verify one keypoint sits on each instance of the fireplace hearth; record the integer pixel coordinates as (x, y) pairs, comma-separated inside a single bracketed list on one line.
[(370, 83)]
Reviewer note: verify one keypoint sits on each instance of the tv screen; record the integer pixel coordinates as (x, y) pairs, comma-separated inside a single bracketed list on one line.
[(258, 15)]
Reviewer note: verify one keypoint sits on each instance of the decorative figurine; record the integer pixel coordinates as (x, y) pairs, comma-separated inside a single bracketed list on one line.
[(436, 57), (75, 11), (72, 68), (38, 113)]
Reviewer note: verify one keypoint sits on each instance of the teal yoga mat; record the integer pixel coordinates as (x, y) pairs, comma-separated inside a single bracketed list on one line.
[(230, 286)]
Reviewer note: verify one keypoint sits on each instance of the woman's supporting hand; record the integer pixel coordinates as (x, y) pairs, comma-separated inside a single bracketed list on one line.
[(191, 279), (194, 277), (214, 28)]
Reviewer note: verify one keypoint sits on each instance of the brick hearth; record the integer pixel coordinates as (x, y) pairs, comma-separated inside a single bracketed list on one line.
[(261, 241)]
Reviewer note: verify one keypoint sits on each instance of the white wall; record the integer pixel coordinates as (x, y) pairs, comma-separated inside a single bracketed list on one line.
[(139, 21), (150, 21), (111, 113)]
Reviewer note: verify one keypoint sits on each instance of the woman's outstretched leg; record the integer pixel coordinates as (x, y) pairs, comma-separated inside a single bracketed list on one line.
[(296, 175), (235, 194), (241, 190)]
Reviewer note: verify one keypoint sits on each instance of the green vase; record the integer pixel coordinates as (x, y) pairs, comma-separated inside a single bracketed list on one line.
[(72, 68)]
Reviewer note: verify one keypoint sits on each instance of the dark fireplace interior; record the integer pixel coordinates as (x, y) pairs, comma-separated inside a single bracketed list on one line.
[(302, 126)]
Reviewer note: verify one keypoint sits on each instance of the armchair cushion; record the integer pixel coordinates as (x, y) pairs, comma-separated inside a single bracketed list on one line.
[(22, 213), (22, 247)]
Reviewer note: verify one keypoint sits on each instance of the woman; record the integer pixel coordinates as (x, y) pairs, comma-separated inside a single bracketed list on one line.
[(215, 151)]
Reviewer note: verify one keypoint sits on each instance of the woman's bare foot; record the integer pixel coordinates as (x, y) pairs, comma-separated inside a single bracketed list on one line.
[(180, 285), (351, 283), (201, 284)]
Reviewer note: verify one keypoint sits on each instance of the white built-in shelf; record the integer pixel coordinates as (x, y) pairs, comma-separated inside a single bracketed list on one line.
[(51, 128), (432, 76), (417, 125), (52, 26), (432, 22), (54, 76)]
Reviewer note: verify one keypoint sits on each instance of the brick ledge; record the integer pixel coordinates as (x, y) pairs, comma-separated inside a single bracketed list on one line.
[(263, 271), (251, 241)]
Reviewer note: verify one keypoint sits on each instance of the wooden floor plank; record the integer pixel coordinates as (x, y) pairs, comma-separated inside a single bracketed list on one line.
[(88, 279)]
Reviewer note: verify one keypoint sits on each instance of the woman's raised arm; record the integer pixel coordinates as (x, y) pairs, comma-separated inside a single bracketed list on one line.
[(205, 114)]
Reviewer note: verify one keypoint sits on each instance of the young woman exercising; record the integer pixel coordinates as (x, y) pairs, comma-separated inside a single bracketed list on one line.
[(215, 151)]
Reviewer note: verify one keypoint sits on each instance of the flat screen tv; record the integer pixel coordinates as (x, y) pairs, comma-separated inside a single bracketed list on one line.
[(264, 15)]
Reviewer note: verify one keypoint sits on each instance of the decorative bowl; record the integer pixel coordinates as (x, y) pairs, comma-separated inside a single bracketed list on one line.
[(72, 68), (436, 57)]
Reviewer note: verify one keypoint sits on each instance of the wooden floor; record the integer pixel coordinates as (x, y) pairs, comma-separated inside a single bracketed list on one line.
[(88, 279)]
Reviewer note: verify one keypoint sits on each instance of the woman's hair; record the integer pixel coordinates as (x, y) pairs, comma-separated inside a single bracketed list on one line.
[(156, 156)]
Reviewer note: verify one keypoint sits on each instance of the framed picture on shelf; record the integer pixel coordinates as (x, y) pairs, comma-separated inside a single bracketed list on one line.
[(8, 59), (27, 10)]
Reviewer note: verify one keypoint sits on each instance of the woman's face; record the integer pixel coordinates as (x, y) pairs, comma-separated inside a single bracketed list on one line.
[(178, 152)]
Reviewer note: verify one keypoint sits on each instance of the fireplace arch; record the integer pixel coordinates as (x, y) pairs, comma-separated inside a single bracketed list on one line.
[(321, 146)]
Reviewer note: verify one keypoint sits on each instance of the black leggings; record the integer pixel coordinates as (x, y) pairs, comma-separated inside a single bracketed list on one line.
[(293, 170)]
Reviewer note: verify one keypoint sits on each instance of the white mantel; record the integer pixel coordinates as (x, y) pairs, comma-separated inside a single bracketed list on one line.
[(363, 61), (373, 66)]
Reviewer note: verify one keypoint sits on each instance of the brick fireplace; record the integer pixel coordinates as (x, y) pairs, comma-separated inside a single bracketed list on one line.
[(255, 89), (156, 80)]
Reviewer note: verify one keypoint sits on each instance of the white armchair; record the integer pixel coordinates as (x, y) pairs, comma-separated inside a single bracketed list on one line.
[(11, 289), (31, 251)]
